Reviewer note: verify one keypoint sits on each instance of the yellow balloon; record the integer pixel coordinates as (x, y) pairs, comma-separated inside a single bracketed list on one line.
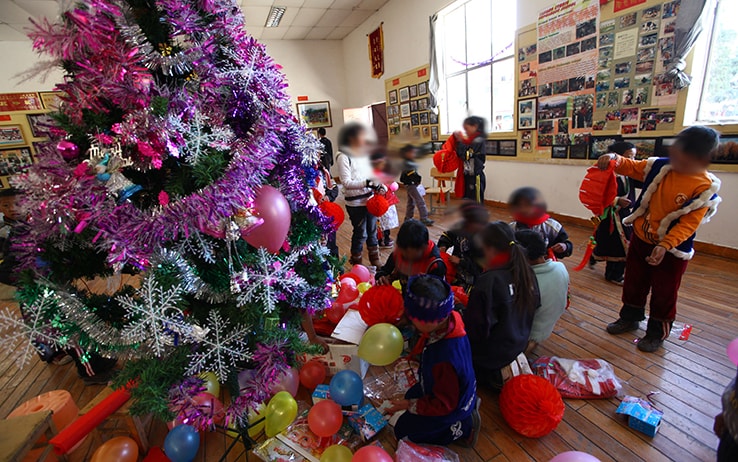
[(337, 453), (381, 344), (363, 287), (397, 285), (211, 383), (256, 423), (280, 412)]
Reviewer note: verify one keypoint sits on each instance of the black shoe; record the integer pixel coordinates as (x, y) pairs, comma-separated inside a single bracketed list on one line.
[(592, 262), (621, 326), (649, 344), (427, 222), (617, 282), (387, 244), (471, 440), (103, 378)]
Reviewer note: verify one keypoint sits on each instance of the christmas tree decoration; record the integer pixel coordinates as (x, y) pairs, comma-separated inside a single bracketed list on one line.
[(175, 160)]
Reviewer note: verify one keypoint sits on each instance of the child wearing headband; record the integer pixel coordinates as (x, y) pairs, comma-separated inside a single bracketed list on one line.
[(443, 406)]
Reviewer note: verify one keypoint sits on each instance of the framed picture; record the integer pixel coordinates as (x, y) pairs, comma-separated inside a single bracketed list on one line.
[(416, 132), (727, 152), (433, 118), (14, 161), (39, 124), (425, 131), (404, 94), (423, 88), (393, 97), (508, 148), (559, 152), (423, 104), (578, 151), (51, 99), (527, 113), (315, 114), (645, 147), (11, 135), (423, 118), (405, 127), (405, 110), (492, 147), (526, 135), (526, 146), (37, 145), (414, 105), (434, 134), (414, 119), (600, 145), (413, 91)]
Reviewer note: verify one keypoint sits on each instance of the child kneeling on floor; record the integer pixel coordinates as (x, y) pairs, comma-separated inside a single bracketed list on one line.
[(443, 406)]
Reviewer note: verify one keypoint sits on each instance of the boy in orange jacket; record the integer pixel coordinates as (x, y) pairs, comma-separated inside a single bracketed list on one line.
[(678, 195)]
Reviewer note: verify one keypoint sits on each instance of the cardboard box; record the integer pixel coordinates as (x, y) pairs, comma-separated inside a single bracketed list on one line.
[(642, 415), (341, 356), (367, 421), (322, 392)]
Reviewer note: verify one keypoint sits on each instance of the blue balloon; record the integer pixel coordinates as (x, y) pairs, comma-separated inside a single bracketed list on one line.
[(347, 388), (181, 443)]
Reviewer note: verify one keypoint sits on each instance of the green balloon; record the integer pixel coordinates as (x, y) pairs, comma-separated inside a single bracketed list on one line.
[(337, 453), (381, 344), (280, 413)]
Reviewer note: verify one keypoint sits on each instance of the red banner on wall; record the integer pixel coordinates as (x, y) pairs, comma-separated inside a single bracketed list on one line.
[(625, 4), (10, 102), (376, 52)]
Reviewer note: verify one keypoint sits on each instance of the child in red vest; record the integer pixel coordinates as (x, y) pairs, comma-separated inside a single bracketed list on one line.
[(414, 254), (529, 212), (389, 220)]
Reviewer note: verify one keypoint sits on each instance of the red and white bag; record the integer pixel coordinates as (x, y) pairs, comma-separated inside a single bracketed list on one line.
[(579, 378)]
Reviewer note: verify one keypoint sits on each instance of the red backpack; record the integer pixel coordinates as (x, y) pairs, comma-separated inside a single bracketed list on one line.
[(599, 189)]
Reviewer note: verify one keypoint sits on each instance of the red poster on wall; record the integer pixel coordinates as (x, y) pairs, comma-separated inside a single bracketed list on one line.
[(625, 4), (376, 52), (10, 102)]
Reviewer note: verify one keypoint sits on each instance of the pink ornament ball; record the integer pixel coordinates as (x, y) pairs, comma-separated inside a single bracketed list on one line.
[(67, 149)]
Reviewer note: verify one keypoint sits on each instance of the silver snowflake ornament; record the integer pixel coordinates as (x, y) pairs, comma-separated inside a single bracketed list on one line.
[(220, 347)]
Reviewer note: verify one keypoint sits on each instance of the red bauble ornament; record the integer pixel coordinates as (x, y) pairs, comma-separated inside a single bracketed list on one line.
[(377, 205), (446, 161), (531, 405), (333, 211), (381, 304)]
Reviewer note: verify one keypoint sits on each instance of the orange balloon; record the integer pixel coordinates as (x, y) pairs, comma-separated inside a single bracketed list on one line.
[(118, 449)]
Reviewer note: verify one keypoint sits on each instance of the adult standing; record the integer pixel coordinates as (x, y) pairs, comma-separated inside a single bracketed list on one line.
[(358, 184), (326, 157)]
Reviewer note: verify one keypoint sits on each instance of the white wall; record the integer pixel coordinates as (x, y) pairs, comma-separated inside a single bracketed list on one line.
[(406, 47), (18, 57)]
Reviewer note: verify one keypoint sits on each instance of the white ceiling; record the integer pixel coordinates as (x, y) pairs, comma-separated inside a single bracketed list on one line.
[(303, 20)]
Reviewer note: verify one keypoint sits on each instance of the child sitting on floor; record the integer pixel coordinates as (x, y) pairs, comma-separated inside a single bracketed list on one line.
[(553, 283), (726, 424), (678, 195), (501, 305), (466, 254), (443, 406), (529, 212), (414, 254)]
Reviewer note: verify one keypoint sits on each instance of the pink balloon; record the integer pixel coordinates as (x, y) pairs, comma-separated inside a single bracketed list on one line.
[(574, 456), (288, 381), (209, 406), (362, 272), (733, 351), (394, 186), (371, 454), (273, 208)]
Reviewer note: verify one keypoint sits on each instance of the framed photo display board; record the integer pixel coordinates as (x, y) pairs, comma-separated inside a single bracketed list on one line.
[(409, 115)]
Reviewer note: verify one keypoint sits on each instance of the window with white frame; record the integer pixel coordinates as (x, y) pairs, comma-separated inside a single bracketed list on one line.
[(718, 93), (478, 67)]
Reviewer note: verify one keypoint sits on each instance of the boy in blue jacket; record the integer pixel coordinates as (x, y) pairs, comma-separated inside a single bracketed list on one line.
[(443, 406)]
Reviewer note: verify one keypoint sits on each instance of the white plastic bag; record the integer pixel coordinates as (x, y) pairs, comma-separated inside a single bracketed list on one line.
[(407, 451)]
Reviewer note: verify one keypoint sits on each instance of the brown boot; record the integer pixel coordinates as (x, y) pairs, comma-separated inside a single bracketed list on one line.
[(374, 256), (355, 259)]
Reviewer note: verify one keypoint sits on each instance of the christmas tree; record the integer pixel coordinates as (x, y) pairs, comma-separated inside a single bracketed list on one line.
[(172, 153)]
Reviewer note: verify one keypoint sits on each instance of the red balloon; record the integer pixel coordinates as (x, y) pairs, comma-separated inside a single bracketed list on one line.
[(325, 418), (209, 406), (336, 312), (371, 454), (312, 374), (351, 276), (361, 272), (273, 208), (381, 304), (348, 292)]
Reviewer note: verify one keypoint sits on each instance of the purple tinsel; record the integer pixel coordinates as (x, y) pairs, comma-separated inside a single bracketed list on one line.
[(270, 361)]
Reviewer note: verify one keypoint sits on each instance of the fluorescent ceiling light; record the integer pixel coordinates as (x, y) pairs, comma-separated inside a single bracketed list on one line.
[(275, 16)]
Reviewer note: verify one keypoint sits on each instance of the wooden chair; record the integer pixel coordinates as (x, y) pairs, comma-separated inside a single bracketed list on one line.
[(133, 425), (443, 184), (19, 435)]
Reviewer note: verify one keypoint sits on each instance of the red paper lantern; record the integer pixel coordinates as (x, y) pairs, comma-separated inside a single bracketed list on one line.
[(531, 405), (333, 211), (377, 205), (381, 304), (446, 161)]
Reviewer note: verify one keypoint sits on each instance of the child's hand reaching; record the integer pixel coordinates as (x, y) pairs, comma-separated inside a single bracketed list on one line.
[(398, 405), (559, 248), (603, 163), (384, 281), (657, 256)]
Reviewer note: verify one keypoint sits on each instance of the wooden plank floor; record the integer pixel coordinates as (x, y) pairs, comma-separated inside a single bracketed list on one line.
[(687, 376)]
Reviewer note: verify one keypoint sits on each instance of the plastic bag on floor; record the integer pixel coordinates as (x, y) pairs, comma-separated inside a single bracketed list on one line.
[(579, 378), (407, 451)]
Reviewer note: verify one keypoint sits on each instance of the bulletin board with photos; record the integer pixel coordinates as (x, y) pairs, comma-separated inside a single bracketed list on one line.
[(24, 126), (409, 115), (597, 77)]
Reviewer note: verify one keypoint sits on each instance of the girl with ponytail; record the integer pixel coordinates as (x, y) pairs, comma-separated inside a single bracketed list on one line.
[(501, 305)]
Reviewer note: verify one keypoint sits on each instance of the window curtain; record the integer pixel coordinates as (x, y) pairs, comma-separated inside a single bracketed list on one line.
[(436, 64), (689, 25)]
